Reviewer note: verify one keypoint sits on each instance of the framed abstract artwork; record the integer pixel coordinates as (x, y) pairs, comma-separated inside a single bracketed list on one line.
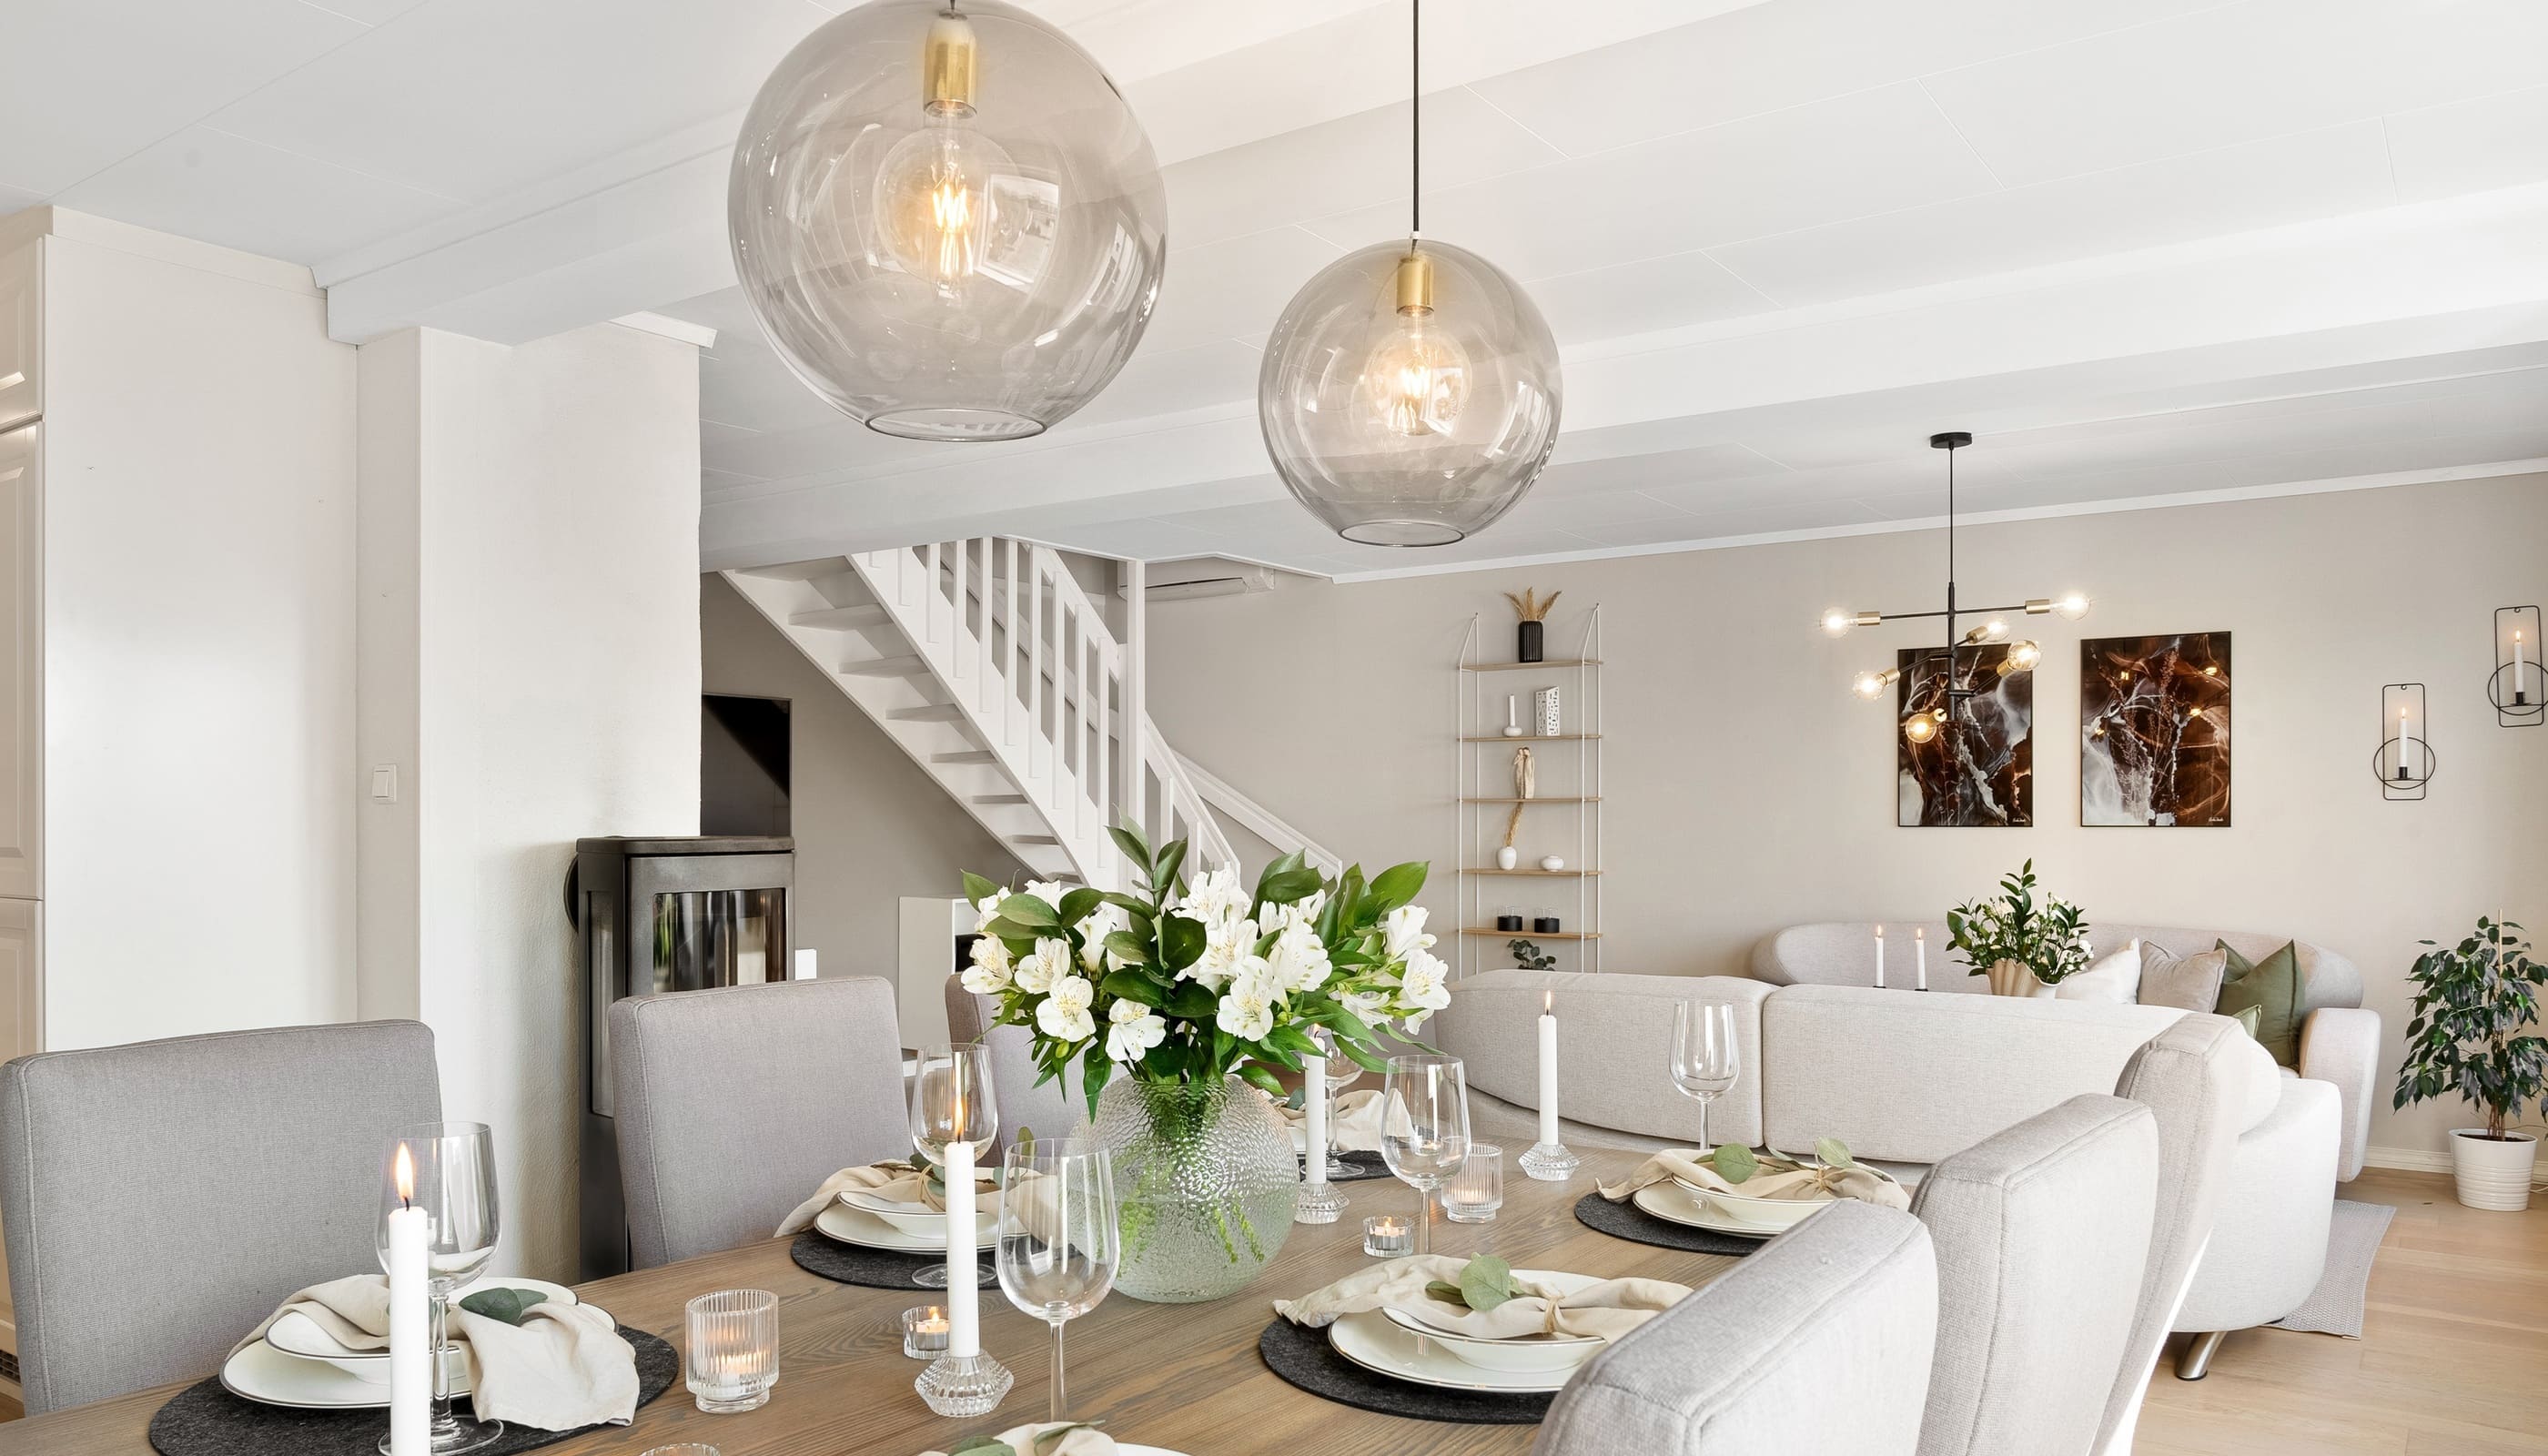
[(2155, 731), (1973, 765)]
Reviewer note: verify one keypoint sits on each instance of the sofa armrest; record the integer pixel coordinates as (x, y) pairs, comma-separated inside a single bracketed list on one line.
[(2341, 1045)]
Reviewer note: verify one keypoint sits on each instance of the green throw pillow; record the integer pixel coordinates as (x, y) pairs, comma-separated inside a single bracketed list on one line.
[(2248, 1018), (2272, 987)]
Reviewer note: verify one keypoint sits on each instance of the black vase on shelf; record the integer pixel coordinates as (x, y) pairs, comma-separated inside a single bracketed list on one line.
[(1528, 639), (1545, 925)]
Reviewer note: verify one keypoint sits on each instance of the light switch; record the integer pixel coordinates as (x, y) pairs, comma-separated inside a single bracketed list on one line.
[(385, 784), (803, 970)]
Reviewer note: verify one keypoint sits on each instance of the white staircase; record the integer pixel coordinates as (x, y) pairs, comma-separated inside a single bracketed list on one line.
[(998, 675)]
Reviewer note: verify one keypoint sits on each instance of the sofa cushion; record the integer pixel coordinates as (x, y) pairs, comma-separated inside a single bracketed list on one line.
[(1842, 953), (2114, 980), (1613, 1048), (2189, 982), (1912, 1078), (2271, 984)]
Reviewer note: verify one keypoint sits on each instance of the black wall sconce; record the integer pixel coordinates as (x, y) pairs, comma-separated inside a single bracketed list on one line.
[(2518, 686), (2405, 762)]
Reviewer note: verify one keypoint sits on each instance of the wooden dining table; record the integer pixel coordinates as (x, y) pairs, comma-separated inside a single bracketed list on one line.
[(1185, 1377)]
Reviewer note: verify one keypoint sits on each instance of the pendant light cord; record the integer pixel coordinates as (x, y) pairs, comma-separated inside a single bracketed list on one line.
[(1414, 121)]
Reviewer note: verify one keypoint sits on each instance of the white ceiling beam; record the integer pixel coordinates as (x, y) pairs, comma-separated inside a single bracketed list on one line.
[(2409, 282), (647, 227)]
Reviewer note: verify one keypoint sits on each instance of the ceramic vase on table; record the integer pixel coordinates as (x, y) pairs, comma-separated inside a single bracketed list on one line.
[(1204, 1180), (2012, 977)]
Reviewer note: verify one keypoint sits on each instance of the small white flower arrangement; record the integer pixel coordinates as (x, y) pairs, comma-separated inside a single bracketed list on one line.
[(1180, 981)]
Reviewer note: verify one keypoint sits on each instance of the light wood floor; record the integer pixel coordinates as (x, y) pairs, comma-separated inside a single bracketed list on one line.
[(2453, 1356)]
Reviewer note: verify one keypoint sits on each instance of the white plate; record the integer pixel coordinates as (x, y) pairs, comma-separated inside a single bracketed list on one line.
[(1772, 1215), (917, 1220), (1378, 1344), (299, 1335), (269, 1377), (1674, 1204), (850, 1225), (1555, 1356)]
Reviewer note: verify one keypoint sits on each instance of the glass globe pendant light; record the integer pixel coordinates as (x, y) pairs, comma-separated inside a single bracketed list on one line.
[(1409, 391), (946, 219)]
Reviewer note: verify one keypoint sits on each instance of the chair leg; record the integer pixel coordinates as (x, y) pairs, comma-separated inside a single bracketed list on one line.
[(2194, 1362)]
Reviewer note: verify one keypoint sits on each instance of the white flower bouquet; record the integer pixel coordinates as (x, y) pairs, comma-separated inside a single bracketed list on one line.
[(1179, 982)]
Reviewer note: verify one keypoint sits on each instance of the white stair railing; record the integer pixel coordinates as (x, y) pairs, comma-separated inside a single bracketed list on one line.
[(1215, 794)]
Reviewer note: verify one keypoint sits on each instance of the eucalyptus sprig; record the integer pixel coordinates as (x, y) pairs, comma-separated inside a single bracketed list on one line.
[(1044, 1440), (1484, 1283)]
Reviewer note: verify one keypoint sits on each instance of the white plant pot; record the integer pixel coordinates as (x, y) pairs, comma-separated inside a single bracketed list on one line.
[(2492, 1174), (1507, 856)]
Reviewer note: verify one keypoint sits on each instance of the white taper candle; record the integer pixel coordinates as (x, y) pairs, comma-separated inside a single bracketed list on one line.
[(1548, 1070), (411, 1231), (1313, 1100), (963, 1313), (1880, 957), (1920, 949)]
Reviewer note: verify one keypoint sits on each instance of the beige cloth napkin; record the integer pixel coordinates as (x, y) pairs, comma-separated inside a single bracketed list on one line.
[(565, 1366), (1609, 1309), (1083, 1440), (901, 1182), (1868, 1185), (1356, 1128)]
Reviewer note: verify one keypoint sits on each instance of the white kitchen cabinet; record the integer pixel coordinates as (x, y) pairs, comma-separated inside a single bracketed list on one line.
[(22, 334), (22, 665)]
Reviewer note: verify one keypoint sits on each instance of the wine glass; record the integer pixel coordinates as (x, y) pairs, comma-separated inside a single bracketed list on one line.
[(952, 1103), (1704, 1058), (1342, 1072), (1058, 1246), (1425, 1128), (447, 1169)]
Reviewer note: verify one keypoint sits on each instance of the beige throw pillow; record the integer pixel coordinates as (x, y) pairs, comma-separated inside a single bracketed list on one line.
[(2192, 982), (2115, 980)]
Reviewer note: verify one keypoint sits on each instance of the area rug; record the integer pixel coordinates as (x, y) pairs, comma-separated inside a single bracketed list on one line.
[(2352, 1242)]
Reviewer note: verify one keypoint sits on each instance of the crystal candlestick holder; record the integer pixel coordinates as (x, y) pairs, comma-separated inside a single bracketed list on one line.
[(1317, 1201), (1550, 1162), (965, 1384), (733, 1355)]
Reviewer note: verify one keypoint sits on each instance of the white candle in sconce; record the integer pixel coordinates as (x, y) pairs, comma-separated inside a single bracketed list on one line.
[(964, 1309), (2405, 736), (1548, 1069), (2520, 695), (1880, 957), (1920, 949), (410, 1232)]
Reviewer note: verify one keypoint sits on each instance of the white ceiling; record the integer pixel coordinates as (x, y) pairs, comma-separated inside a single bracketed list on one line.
[(2147, 250)]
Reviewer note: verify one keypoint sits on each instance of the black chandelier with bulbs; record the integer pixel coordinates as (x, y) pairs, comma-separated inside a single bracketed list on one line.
[(1941, 685)]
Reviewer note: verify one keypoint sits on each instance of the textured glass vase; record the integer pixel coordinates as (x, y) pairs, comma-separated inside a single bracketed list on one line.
[(1204, 1177)]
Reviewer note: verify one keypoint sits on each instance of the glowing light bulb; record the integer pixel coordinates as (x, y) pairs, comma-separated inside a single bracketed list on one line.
[(1920, 727), (935, 199), (2024, 655), (1836, 622), (2073, 605), (1873, 685), (1415, 378)]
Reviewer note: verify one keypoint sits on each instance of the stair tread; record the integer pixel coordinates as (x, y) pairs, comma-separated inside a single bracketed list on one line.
[(906, 665), (936, 712), (966, 756), (841, 616)]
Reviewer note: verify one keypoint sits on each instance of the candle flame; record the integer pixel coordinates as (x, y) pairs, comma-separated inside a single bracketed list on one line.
[(1548, 1002), (404, 1172), (1920, 933), (1880, 931)]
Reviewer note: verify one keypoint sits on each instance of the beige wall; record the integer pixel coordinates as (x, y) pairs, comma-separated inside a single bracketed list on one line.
[(1747, 789), (871, 825)]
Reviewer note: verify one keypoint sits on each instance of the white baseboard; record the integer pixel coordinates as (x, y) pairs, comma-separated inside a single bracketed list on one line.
[(2406, 1159)]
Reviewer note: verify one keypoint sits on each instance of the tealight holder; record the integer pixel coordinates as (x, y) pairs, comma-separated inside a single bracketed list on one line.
[(1388, 1235), (685, 1448), (1476, 1189), (732, 1355), (924, 1332), (965, 1384)]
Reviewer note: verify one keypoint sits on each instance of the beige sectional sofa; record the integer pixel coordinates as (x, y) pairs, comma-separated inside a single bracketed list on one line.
[(1905, 1079)]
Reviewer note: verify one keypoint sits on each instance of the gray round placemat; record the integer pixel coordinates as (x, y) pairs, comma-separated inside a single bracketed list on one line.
[(1306, 1359), (1624, 1219), (204, 1420), (876, 1268), (1358, 1166)]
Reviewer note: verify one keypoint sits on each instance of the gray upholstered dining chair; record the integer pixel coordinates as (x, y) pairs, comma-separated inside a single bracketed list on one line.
[(1817, 1345), (734, 1104), (2200, 1077), (162, 1198), (2042, 1235), (1054, 1108)]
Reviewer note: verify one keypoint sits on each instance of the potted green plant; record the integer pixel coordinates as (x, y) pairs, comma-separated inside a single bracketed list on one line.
[(1527, 955), (2470, 1034), (2025, 948)]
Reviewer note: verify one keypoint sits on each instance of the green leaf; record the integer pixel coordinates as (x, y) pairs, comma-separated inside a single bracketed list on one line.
[(1256, 1072), (1193, 1001), (1398, 884), (1448, 1294), (1053, 1436), (1734, 1162), (1280, 866), (1833, 1152), (1171, 854), (978, 889), (1485, 1282), (1181, 942), (982, 1446), (1077, 904), (1128, 838), (1289, 887), (1029, 910), (506, 1305)]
